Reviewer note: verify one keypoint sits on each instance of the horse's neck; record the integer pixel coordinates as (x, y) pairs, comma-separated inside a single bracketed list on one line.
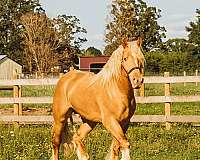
[(123, 84)]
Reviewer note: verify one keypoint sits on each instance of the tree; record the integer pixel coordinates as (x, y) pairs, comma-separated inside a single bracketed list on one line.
[(194, 39), (92, 51), (39, 41), (131, 19), (70, 35), (10, 27), (178, 45), (153, 60), (173, 62), (49, 43)]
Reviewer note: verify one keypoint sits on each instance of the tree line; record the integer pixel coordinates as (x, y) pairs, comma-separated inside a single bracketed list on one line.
[(40, 44)]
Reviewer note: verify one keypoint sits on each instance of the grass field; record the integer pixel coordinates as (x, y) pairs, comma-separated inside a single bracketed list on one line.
[(148, 141)]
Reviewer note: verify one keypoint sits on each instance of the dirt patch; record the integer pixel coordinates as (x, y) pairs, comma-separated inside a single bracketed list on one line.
[(32, 111)]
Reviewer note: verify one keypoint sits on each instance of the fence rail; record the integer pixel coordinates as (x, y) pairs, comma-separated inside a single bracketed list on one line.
[(149, 99), (167, 99), (135, 118), (53, 81)]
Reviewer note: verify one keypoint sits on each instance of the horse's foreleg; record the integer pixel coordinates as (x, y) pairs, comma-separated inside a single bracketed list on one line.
[(125, 151), (78, 138), (116, 130)]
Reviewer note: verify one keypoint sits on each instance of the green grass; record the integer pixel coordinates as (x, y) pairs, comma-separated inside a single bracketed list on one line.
[(192, 108), (176, 89), (148, 142), (30, 91), (37, 91)]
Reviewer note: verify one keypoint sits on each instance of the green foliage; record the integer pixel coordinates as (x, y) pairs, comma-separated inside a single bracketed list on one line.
[(177, 55), (131, 19), (174, 62), (92, 51), (67, 28), (194, 39), (10, 27), (178, 45), (194, 30), (70, 35)]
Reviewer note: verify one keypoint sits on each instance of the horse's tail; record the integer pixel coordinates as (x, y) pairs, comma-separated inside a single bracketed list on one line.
[(67, 144)]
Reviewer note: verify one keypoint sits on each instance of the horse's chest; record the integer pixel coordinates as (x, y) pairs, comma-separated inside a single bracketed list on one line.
[(126, 113), (125, 110)]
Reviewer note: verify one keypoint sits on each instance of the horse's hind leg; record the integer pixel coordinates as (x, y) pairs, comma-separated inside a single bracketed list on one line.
[(78, 138), (114, 150), (60, 114)]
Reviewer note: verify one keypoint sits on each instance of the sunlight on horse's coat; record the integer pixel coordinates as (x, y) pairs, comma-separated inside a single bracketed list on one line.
[(106, 97)]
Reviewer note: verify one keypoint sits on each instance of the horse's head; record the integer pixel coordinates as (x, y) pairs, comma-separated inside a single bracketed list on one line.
[(133, 62)]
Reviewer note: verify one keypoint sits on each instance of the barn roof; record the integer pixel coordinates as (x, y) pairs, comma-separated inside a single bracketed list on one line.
[(2, 57)]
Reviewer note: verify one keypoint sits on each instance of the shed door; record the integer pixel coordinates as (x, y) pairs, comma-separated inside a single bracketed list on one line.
[(96, 67)]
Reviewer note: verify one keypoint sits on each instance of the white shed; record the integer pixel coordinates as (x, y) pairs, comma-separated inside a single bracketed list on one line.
[(8, 67)]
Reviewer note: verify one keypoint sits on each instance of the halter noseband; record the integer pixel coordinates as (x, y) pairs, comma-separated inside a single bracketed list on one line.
[(132, 69)]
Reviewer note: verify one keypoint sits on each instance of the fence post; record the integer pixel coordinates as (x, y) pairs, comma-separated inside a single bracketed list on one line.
[(20, 95), (60, 75), (141, 90), (36, 75), (71, 68), (196, 74), (167, 104), (17, 94), (184, 74)]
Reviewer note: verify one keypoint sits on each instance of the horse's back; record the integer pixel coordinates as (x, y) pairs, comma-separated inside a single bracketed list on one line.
[(71, 80)]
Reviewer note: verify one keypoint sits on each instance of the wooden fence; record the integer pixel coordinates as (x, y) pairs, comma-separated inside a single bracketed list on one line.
[(167, 99)]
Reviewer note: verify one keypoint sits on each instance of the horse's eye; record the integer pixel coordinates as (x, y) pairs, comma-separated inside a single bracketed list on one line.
[(125, 59)]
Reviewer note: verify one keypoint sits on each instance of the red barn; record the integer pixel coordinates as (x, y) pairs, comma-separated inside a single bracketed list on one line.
[(92, 63)]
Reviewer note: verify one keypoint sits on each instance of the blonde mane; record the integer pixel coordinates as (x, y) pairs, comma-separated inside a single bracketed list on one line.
[(112, 69)]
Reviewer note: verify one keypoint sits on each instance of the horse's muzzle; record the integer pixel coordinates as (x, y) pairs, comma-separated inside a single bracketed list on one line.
[(137, 82)]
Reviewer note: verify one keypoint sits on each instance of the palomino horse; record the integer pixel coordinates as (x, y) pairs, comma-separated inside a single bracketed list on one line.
[(106, 97)]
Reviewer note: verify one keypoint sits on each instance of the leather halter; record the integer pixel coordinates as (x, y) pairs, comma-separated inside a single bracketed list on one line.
[(132, 69)]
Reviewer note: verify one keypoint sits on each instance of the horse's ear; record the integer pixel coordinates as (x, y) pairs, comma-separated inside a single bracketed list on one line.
[(125, 42), (139, 41)]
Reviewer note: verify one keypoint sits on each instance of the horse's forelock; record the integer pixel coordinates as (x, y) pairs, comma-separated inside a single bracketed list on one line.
[(137, 52)]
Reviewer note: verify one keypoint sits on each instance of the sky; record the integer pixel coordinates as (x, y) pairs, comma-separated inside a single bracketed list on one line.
[(93, 15)]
